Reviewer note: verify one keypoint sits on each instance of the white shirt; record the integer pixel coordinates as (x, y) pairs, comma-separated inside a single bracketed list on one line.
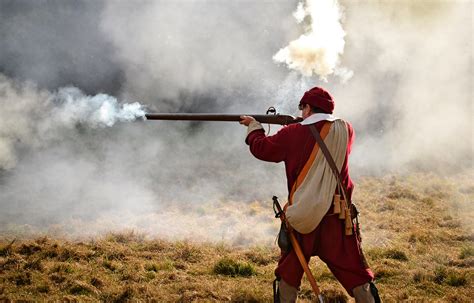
[(314, 118)]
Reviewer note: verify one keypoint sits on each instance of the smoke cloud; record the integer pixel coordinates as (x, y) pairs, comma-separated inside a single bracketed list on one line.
[(318, 50), (93, 111), (68, 69), (33, 118)]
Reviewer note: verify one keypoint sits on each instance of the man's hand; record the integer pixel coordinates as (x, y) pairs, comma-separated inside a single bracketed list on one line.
[(246, 120)]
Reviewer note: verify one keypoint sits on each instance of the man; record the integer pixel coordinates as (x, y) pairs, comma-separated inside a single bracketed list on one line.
[(312, 186)]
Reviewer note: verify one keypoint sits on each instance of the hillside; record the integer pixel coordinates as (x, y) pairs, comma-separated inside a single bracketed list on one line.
[(417, 232)]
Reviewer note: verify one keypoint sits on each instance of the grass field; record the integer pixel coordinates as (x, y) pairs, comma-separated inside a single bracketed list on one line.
[(417, 232)]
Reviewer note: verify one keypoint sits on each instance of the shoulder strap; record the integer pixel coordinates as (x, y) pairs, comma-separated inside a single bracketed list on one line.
[(329, 158)]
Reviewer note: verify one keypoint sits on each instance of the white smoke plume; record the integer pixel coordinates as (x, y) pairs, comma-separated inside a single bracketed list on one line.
[(318, 50), (101, 110), (33, 118)]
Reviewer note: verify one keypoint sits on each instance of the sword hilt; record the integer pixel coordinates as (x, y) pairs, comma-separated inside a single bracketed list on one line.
[(277, 207)]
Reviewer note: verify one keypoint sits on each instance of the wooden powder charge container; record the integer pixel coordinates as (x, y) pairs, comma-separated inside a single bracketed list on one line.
[(348, 222), (342, 207), (337, 204)]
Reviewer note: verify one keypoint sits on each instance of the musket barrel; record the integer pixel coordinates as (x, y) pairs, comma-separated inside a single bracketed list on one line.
[(267, 119), (193, 117)]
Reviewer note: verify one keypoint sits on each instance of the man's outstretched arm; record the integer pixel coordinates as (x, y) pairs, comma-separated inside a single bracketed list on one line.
[(271, 148)]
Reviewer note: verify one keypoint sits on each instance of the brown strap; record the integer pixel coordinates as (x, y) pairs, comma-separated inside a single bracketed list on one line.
[(330, 160)]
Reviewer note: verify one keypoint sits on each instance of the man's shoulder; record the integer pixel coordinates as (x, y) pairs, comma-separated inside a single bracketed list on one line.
[(292, 128), (298, 127), (348, 125), (289, 132)]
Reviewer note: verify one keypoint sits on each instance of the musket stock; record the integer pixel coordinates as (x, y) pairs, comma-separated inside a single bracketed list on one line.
[(266, 119)]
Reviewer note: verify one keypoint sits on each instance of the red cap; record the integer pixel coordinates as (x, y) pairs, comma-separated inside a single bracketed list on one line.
[(320, 98)]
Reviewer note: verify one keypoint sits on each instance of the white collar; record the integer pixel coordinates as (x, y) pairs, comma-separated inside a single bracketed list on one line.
[(314, 118)]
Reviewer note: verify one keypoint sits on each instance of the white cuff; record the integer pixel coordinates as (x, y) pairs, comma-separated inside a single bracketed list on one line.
[(254, 125)]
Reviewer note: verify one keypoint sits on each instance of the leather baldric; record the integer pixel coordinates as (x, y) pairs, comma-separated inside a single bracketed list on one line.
[(330, 160)]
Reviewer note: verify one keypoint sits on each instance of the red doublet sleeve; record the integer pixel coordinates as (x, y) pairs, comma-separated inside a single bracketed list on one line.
[(271, 148)]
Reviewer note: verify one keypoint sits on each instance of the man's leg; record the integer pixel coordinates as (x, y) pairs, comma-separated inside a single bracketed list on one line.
[(342, 255), (288, 293), (289, 273), (366, 293), (289, 269)]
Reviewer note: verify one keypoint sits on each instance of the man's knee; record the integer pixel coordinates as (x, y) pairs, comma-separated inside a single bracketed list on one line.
[(366, 293)]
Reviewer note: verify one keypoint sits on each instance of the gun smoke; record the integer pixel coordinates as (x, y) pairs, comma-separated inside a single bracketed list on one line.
[(72, 69), (318, 50), (31, 118)]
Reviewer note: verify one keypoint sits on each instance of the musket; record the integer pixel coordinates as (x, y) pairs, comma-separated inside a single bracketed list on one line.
[(266, 119)]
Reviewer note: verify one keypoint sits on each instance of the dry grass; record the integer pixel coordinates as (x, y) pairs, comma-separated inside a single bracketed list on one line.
[(417, 233)]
